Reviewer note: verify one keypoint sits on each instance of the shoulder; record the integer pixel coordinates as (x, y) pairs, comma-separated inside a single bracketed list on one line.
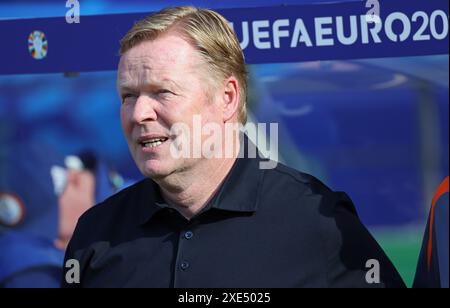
[(304, 204), (301, 189), (328, 222), (116, 202), (308, 206), (101, 218), (288, 175)]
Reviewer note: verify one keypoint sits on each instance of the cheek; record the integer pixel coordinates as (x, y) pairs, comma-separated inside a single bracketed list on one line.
[(198, 106), (125, 119), (211, 112), (173, 113)]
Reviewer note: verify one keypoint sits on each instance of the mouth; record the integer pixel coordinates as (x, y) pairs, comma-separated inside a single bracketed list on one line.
[(152, 142)]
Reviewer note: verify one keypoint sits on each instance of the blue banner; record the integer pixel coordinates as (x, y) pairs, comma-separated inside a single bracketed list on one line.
[(333, 31)]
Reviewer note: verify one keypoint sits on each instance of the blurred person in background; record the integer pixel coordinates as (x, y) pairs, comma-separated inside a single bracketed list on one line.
[(432, 267), (42, 195)]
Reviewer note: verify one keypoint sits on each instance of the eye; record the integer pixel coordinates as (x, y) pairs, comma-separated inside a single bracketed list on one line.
[(128, 97), (164, 91), (163, 94)]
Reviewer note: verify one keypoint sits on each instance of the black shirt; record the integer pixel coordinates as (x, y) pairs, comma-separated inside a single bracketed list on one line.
[(262, 228)]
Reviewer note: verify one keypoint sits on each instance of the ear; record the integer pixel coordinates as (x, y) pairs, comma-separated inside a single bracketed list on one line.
[(231, 98)]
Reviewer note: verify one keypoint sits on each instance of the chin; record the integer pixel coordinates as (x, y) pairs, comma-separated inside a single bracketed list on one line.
[(154, 169)]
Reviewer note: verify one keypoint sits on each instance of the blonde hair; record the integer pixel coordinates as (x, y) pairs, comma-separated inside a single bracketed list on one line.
[(208, 32)]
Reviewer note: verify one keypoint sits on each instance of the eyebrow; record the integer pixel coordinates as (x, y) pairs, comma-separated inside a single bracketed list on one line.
[(123, 85), (125, 89)]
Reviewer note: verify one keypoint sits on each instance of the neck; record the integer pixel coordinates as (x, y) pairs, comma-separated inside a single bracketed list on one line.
[(190, 190)]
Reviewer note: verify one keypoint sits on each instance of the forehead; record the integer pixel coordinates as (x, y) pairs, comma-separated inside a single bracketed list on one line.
[(165, 57)]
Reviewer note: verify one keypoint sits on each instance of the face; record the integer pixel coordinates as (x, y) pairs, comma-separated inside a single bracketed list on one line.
[(162, 83), (78, 197)]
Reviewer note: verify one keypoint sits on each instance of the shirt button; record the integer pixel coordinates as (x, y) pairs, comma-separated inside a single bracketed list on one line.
[(188, 235), (184, 265)]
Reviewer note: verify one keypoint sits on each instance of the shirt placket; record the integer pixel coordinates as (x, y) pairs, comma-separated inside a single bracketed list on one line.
[(184, 261)]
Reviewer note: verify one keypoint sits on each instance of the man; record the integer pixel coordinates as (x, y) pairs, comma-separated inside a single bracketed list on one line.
[(211, 220)]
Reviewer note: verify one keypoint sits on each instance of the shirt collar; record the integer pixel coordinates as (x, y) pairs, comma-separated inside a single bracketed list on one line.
[(148, 195), (238, 192)]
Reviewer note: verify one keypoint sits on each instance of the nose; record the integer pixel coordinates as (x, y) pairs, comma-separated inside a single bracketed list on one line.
[(144, 110)]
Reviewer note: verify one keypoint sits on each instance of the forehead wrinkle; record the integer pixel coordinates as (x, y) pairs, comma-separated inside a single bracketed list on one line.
[(142, 66), (134, 74), (144, 75)]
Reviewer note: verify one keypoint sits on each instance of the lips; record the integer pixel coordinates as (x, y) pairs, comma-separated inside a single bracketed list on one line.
[(152, 141)]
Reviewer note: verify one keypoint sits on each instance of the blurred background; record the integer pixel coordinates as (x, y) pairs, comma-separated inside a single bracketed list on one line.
[(376, 128)]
